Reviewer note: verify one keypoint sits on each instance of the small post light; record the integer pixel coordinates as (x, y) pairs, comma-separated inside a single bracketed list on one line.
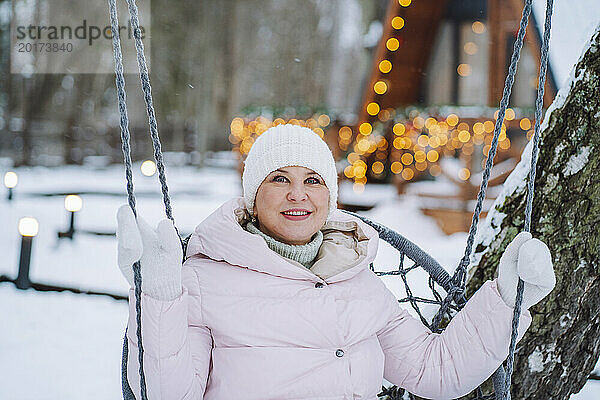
[(10, 181), (28, 229), (148, 168), (73, 203)]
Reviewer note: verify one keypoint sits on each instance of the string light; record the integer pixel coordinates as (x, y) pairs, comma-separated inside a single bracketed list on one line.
[(525, 124), (380, 87), (365, 128), (478, 27), (470, 48), (405, 3), (397, 23), (385, 66), (373, 108), (392, 44), (464, 69)]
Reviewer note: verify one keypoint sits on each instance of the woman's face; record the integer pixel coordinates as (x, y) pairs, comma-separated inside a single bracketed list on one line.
[(292, 204)]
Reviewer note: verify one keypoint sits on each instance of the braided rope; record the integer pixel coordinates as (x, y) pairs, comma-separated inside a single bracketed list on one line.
[(147, 89), (125, 139), (539, 101), (460, 274)]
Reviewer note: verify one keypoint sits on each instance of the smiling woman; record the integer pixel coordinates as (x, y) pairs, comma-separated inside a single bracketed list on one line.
[(276, 300), (292, 204)]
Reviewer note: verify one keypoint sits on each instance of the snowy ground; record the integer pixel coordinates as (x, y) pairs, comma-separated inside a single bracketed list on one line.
[(68, 346)]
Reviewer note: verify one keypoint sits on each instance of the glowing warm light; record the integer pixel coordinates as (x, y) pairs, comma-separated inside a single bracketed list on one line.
[(434, 141), (353, 157), (467, 149), (237, 126), (384, 115), (486, 150), (470, 48), (73, 203), (392, 44), (365, 128), (432, 156), (398, 143), (405, 3), (345, 132), (478, 27), (385, 66), (510, 114), (430, 123), (423, 140), (488, 126), (246, 145), (397, 22), (358, 187), (419, 122), (28, 226), (525, 124), (349, 171), (363, 145), (359, 171), (464, 174), (421, 166), (10, 179), (420, 156), (396, 167), (148, 168), (408, 174), (380, 87), (464, 69), (505, 144), (530, 134), (464, 136), (478, 128), (452, 119), (377, 167), (406, 159), (323, 120), (399, 129), (373, 108), (319, 132)]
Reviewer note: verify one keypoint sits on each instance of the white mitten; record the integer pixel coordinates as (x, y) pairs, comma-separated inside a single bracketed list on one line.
[(530, 260), (159, 252)]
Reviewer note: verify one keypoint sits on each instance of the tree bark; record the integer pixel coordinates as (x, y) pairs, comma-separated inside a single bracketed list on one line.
[(561, 347)]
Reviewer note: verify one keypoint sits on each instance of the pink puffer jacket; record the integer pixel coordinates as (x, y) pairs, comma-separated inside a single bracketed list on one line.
[(252, 325)]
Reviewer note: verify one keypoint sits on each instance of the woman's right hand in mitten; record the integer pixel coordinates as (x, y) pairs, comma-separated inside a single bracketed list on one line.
[(158, 250)]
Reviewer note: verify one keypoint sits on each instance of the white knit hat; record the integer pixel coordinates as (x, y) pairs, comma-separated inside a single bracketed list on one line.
[(285, 146)]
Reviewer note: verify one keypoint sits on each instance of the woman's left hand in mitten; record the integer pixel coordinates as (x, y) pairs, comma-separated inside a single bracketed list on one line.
[(530, 260)]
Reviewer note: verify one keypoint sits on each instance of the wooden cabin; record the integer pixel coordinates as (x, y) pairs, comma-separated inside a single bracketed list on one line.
[(436, 79)]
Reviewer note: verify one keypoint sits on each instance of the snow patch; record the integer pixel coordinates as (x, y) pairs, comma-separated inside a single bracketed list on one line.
[(577, 161), (541, 356), (536, 361), (562, 94)]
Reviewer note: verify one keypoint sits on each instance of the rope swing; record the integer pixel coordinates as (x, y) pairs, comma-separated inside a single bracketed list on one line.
[(454, 285)]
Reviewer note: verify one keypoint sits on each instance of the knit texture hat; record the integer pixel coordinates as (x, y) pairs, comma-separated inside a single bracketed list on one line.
[(286, 146)]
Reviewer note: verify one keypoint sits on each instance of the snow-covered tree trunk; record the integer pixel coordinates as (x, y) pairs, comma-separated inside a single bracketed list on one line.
[(562, 345)]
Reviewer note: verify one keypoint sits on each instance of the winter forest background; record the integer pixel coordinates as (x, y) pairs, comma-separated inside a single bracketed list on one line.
[(217, 68)]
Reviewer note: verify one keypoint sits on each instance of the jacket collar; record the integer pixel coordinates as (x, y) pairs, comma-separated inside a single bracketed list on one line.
[(221, 237)]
